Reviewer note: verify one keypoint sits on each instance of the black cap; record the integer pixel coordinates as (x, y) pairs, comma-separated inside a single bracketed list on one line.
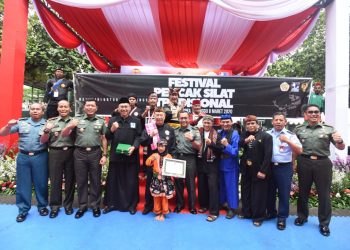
[(123, 100)]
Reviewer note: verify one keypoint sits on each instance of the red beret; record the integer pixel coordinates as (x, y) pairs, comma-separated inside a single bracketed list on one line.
[(317, 84), (196, 102)]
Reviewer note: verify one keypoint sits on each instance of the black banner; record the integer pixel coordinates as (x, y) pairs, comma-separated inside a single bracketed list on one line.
[(238, 96)]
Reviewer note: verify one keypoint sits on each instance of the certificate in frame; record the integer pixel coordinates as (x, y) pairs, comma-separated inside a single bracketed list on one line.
[(174, 168)]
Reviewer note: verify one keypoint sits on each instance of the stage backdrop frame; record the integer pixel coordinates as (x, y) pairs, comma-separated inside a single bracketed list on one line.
[(238, 96)]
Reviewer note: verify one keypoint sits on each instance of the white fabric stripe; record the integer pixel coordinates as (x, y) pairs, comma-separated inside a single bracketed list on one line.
[(265, 10), (89, 4), (274, 55), (222, 35), (133, 24)]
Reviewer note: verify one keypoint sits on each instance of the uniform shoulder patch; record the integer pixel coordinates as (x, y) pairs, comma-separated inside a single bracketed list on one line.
[(299, 126)]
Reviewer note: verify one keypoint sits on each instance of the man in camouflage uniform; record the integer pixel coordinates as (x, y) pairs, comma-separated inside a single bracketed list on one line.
[(90, 131), (61, 164), (315, 166)]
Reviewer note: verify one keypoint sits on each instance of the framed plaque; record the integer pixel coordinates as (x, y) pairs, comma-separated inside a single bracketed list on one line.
[(174, 167)]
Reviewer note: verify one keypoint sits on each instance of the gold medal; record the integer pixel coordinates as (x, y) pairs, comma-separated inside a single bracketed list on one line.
[(63, 85)]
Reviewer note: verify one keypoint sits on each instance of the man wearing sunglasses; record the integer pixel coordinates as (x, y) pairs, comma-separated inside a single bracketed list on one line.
[(315, 166)]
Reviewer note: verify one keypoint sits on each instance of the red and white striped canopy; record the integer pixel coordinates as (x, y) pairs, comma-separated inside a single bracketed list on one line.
[(238, 35)]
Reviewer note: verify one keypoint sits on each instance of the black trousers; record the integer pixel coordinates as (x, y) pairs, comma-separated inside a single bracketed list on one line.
[(208, 185), (320, 172), (148, 197), (254, 194), (51, 111), (61, 165), (189, 181), (88, 170), (122, 187)]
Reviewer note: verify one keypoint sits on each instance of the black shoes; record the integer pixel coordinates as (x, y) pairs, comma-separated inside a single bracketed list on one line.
[(21, 217), (43, 211), (68, 211), (108, 209), (230, 213), (178, 209), (96, 212), (324, 230), (146, 210), (80, 213), (53, 213), (132, 211), (193, 211), (281, 224), (299, 221)]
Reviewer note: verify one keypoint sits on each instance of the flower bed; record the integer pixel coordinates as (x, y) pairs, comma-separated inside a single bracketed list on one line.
[(340, 189)]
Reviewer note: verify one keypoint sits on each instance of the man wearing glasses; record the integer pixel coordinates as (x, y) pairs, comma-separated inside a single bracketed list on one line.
[(315, 166)]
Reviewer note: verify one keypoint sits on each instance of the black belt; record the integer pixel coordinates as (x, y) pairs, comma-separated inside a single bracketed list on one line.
[(280, 163), (89, 148), (32, 153), (315, 157), (61, 148)]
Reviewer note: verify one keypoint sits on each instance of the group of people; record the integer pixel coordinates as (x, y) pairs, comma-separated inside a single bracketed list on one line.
[(74, 148)]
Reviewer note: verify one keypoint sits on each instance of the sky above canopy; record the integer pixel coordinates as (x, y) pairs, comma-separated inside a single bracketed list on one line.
[(239, 35)]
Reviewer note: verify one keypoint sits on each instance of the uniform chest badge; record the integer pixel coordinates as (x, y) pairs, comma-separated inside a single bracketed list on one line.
[(167, 132), (132, 125), (167, 138), (63, 85), (136, 114), (81, 130)]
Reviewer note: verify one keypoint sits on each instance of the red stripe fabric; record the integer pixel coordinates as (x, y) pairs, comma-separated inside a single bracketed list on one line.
[(262, 39), (295, 36), (58, 32), (181, 23), (93, 26)]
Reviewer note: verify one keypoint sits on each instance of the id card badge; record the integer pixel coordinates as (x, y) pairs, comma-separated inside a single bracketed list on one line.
[(55, 93)]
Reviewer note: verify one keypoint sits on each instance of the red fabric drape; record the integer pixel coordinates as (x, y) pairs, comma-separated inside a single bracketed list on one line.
[(97, 61), (181, 25), (262, 39), (56, 29), (92, 24)]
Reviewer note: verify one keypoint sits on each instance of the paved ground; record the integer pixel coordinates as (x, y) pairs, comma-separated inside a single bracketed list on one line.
[(10, 199)]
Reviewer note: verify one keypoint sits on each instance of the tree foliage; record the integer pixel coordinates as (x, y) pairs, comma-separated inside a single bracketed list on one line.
[(43, 55), (308, 60)]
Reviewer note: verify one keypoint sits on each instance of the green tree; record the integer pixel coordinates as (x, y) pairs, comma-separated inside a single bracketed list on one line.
[(308, 60), (43, 55)]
